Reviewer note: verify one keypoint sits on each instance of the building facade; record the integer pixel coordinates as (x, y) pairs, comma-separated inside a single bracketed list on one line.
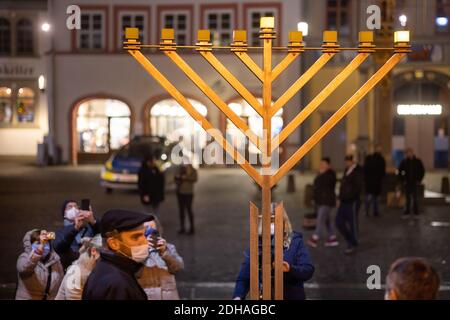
[(23, 106), (98, 97)]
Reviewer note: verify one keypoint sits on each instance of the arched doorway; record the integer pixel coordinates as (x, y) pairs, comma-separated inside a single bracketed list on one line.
[(254, 121), (422, 117), (101, 126), (168, 119)]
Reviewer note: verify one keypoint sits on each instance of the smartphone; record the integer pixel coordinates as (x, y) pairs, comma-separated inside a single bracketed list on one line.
[(85, 204)]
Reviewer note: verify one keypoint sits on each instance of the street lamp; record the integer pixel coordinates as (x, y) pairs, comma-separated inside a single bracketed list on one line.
[(45, 27), (403, 19), (303, 28), (41, 83)]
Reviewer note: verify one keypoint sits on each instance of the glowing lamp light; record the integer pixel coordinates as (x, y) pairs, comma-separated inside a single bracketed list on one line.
[(403, 19), (303, 28), (41, 82), (267, 23), (442, 21), (401, 36), (45, 27), (419, 109)]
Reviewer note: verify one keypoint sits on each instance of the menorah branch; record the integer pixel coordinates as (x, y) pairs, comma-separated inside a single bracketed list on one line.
[(201, 84), (233, 81), (251, 64), (321, 97), (337, 116), (300, 82), (206, 125), (283, 64)]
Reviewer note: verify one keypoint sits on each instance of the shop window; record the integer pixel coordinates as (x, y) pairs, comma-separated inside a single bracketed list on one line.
[(168, 119), (25, 105), (5, 105), (102, 125)]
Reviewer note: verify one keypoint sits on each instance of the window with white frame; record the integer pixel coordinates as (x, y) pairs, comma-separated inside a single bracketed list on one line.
[(221, 24), (91, 36), (180, 22), (133, 20), (254, 16)]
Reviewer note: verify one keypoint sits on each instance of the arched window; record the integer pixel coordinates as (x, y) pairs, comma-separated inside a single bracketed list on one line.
[(5, 105), (102, 125), (168, 119), (25, 105), (24, 37), (5, 37)]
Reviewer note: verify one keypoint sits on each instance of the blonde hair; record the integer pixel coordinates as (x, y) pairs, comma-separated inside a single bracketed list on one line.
[(287, 226)]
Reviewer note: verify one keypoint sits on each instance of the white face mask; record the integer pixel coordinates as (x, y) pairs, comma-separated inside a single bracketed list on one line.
[(71, 213), (139, 253)]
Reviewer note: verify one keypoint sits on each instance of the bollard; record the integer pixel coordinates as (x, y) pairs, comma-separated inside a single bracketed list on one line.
[(291, 183), (445, 186)]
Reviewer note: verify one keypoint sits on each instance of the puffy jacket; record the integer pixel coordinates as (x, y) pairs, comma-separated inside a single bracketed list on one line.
[(113, 278), (158, 281), (324, 185), (33, 273), (301, 270)]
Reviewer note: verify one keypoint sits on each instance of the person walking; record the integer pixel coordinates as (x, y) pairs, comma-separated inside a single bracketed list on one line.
[(185, 180), (349, 193), (411, 173), (374, 172), (325, 201), (151, 185)]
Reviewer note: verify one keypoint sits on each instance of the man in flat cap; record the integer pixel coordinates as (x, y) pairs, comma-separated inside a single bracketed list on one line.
[(125, 248)]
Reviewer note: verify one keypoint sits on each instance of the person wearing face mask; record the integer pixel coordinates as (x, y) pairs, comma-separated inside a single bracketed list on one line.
[(125, 248), (39, 269), (297, 265), (77, 225), (157, 278), (73, 283)]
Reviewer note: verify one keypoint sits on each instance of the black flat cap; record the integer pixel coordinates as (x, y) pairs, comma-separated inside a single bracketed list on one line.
[(122, 220)]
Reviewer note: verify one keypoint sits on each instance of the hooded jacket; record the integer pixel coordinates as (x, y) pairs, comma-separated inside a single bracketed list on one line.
[(33, 273), (157, 277)]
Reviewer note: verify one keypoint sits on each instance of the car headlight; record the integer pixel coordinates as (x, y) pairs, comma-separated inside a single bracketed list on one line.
[(108, 165)]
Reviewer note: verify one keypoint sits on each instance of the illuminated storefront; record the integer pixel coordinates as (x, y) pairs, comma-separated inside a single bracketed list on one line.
[(102, 126), (421, 121)]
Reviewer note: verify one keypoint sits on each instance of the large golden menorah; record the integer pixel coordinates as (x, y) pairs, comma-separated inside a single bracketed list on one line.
[(266, 75)]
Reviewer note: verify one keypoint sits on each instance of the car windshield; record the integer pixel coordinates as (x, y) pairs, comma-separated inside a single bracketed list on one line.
[(142, 148)]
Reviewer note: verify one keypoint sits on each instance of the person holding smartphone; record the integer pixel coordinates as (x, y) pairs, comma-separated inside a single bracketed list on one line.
[(39, 269), (157, 277), (78, 223)]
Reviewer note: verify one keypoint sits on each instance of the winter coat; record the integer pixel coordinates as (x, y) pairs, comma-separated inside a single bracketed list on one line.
[(185, 180), (301, 270), (411, 171), (374, 171), (324, 185), (67, 242), (151, 183), (33, 273), (351, 184), (75, 279), (113, 278), (157, 278)]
